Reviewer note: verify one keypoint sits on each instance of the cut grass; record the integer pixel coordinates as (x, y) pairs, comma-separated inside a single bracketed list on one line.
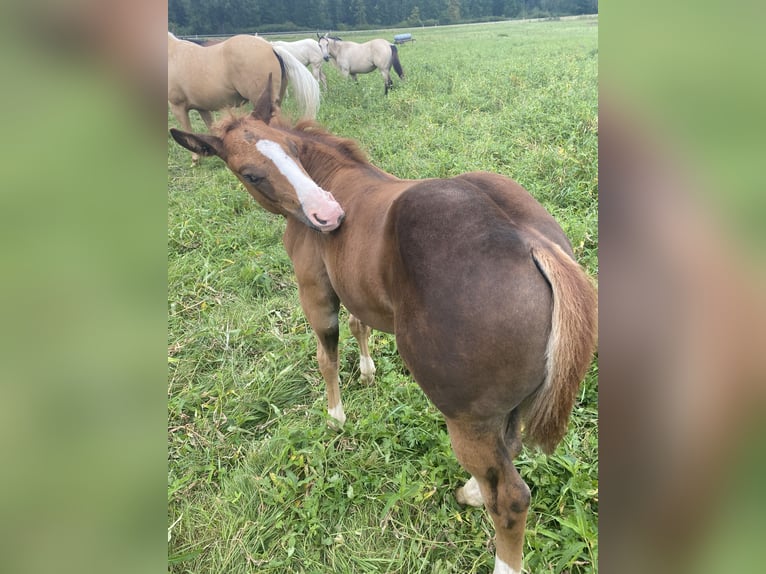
[(256, 480)]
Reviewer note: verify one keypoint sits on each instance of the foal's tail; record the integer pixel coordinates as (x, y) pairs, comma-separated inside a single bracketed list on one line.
[(574, 332), (395, 61), (305, 86)]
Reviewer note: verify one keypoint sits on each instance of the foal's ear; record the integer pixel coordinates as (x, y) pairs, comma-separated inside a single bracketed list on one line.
[(202, 144), (264, 109)]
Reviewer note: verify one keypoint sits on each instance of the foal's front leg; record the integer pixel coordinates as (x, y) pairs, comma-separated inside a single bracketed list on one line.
[(321, 304)]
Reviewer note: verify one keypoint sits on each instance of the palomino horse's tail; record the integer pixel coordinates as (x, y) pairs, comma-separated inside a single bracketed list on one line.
[(305, 86), (574, 332), (395, 61)]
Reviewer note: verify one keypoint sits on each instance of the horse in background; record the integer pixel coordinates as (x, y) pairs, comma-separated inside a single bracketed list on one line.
[(230, 73), (352, 58), (492, 315), (307, 52)]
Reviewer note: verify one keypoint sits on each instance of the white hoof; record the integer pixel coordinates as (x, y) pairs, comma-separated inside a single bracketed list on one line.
[(367, 367), (337, 417)]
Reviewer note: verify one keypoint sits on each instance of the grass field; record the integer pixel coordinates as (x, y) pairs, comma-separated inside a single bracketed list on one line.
[(257, 482)]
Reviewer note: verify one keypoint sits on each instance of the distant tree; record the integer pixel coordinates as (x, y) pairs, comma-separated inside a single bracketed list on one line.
[(453, 10), (414, 18), (432, 9), (274, 12), (551, 7), (236, 16), (358, 12), (586, 6), (177, 13), (475, 9), (512, 8), (374, 9), (332, 13)]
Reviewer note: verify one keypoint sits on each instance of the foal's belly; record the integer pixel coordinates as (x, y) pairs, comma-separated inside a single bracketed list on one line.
[(373, 311)]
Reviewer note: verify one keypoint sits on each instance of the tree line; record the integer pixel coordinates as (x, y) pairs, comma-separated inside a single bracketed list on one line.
[(187, 17)]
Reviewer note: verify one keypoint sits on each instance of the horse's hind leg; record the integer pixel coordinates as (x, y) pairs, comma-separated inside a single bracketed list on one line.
[(486, 451), (362, 334), (387, 79)]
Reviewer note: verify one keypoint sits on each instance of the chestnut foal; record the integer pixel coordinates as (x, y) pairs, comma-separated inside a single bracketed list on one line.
[(492, 315)]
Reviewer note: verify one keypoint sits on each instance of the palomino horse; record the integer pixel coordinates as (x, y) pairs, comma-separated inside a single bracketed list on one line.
[(229, 73), (308, 53), (352, 58), (493, 317)]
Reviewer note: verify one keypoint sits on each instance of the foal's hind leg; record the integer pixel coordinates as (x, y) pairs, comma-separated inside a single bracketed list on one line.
[(362, 334), (486, 449)]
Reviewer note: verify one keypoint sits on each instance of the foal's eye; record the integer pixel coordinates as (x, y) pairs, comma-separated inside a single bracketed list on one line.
[(252, 178)]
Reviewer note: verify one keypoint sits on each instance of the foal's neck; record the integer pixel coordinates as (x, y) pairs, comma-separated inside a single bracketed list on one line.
[(337, 161)]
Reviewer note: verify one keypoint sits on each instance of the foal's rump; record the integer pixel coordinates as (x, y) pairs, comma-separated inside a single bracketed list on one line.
[(473, 311), (492, 311)]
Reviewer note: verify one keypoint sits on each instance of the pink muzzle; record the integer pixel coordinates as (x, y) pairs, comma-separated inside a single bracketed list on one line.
[(322, 211)]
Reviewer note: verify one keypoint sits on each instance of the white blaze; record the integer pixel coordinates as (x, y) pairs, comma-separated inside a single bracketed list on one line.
[(302, 183), (312, 197), (318, 205)]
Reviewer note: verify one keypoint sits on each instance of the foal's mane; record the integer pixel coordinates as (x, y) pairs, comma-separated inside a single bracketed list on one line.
[(342, 149)]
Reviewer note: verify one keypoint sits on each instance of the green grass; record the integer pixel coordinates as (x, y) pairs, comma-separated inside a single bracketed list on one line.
[(256, 480)]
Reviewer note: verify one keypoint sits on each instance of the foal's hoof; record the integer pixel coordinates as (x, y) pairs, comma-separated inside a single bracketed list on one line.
[(367, 368), (337, 417)]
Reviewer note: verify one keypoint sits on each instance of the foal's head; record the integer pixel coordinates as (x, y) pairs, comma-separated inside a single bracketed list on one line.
[(266, 161)]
